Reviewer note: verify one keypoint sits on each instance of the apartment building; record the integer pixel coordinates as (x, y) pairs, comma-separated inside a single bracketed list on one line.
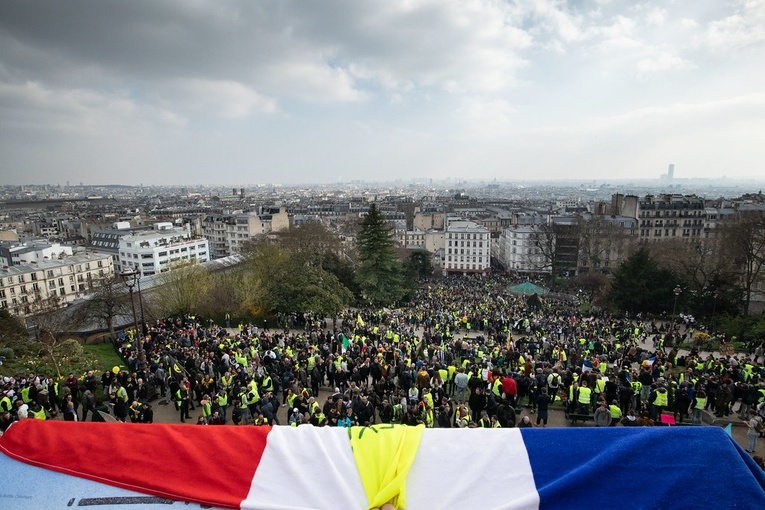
[(154, 251), (468, 248), (227, 233), (27, 289), (666, 216), (518, 249), (17, 253)]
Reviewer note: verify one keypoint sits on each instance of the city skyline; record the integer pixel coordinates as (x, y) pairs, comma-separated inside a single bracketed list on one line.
[(290, 92)]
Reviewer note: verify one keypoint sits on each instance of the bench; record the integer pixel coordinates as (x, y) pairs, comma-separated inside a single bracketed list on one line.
[(579, 417)]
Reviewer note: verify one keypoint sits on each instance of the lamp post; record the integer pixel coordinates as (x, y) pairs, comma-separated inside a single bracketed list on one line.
[(140, 303), (130, 277), (677, 293)]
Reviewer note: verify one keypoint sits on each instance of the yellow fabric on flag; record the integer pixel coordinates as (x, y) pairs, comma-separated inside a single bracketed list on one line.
[(359, 320), (384, 454)]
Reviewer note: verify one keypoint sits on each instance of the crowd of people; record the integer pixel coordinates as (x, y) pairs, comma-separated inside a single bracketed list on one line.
[(465, 352)]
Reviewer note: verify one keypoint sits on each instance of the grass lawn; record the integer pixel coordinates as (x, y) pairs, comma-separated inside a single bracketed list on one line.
[(96, 357)]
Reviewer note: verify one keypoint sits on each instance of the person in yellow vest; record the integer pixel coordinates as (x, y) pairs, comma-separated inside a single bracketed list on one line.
[(462, 417), (659, 400), (573, 395), (244, 409), (616, 413), (5, 403), (637, 389), (697, 407), (484, 422), (222, 404), (206, 404), (37, 411), (260, 420), (585, 398)]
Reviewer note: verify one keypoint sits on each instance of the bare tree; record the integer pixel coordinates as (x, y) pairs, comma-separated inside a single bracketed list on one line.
[(108, 301), (558, 243), (312, 242), (601, 242), (52, 322), (744, 242)]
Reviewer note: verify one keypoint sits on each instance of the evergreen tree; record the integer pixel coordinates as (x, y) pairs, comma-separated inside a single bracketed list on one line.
[(640, 285), (380, 272)]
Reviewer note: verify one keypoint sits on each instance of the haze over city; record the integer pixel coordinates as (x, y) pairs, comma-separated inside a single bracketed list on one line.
[(181, 92)]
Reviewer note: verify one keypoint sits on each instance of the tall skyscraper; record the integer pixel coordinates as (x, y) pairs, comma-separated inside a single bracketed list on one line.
[(671, 171)]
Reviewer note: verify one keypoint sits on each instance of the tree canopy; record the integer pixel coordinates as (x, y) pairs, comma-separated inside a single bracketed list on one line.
[(640, 285), (380, 274)]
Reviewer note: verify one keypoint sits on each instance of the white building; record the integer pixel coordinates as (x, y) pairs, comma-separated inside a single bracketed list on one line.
[(519, 250), (14, 254), (154, 251), (468, 248), (27, 289)]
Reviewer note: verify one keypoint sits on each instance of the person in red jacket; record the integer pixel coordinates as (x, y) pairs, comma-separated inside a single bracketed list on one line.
[(509, 390)]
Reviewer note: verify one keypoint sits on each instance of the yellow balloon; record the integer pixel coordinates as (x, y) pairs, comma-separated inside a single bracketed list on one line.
[(116, 370)]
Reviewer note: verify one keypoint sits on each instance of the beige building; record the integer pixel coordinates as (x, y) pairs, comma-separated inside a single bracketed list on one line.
[(28, 289), (227, 233), (664, 217), (429, 221)]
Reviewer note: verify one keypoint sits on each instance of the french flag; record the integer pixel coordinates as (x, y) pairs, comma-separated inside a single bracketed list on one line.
[(56, 464)]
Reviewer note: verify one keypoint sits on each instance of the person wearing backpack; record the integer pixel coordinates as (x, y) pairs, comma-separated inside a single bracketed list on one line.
[(553, 383)]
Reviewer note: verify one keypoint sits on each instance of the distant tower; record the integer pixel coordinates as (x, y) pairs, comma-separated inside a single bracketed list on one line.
[(233, 192), (241, 192), (671, 171)]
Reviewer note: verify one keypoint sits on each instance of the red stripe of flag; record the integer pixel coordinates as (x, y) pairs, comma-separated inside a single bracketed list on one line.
[(188, 463)]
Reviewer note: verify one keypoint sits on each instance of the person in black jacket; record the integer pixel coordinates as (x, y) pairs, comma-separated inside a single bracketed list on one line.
[(364, 411)]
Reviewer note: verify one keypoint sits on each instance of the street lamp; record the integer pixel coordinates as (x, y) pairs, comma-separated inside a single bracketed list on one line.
[(677, 293), (130, 277)]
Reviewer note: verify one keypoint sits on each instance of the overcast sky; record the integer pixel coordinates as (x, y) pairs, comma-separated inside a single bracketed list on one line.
[(244, 92)]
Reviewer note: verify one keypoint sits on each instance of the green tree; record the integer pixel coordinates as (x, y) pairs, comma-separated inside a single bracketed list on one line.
[(181, 289), (11, 327), (380, 272), (640, 285), (280, 281), (297, 287), (420, 264)]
